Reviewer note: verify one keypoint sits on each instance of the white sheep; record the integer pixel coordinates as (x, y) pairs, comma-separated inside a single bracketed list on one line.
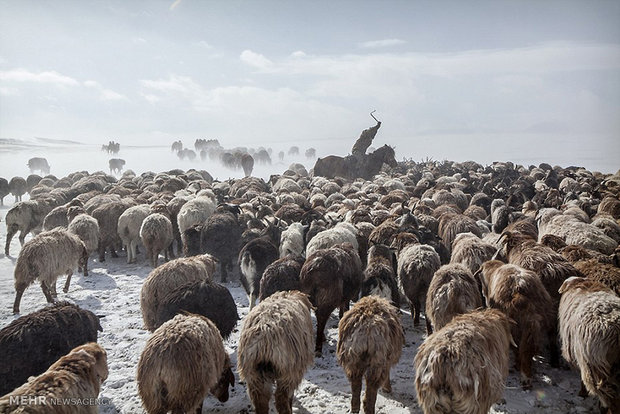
[(87, 229), (129, 224), (156, 235), (195, 211), (341, 233), (292, 240), (45, 257)]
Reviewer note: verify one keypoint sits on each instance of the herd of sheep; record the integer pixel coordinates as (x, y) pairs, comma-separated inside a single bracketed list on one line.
[(500, 261)]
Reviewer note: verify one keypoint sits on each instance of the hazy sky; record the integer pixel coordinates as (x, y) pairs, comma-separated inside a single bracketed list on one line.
[(258, 72)]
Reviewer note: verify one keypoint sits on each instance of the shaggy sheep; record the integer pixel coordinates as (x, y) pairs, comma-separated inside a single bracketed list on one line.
[(331, 278), (4, 190), (451, 224), (195, 211), (182, 362), (156, 235), (452, 291), (107, 216), (275, 346), (45, 257), (201, 297), (417, 263), (281, 275), (462, 367), (254, 258), (221, 237), (380, 275), (341, 233), (169, 276), (522, 297), (48, 334), (606, 274), (57, 217), (18, 187), (292, 240), (77, 375), (589, 326), (470, 251), (87, 229), (128, 228), (370, 341), (25, 217), (575, 231)]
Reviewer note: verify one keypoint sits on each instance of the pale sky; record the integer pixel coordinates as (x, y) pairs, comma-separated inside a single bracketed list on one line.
[(453, 74)]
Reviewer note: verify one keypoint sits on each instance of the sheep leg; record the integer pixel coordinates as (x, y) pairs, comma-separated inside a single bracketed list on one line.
[(68, 282), (356, 391), (387, 384), (415, 311), (370, 396), (101, 249), (322, 315), (429, 327), (86, 267), (46, 292), (224, 271), (9, 235), (284, 400), (260, 393), (199, 409), (583, 391), (22, 236), (154, 257), (113, 252), (343, 308), (554, 359), (18, 297)]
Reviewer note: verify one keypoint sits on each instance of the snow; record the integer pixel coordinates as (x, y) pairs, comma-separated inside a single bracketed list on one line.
[(112, 291)]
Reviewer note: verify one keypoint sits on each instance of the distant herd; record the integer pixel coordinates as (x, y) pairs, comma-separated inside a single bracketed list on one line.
[(497, 260)]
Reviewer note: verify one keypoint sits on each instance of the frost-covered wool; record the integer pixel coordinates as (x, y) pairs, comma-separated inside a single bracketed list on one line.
[(128, 228), (276, 346), (183, 361), (370, 342), (77, 375), (45, 257), (156, 235), (589, 327), (462, 367)]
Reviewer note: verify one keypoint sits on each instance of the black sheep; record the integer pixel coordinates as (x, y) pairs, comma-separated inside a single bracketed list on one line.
[(281, 275), (253, 260), (202, 297), (32, 343)]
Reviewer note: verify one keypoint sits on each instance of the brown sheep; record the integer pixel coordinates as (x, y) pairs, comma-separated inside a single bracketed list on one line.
[(589, 326), (522, 297), (462, 367), (606, 274), (470, 251), (452, 291), (370, 341), (331, 278), (78, 374), (451, 224), (181, 363), (276, 346)]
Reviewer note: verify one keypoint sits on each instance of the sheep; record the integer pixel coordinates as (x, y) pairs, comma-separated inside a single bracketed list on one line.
[(275, 346), (520, 294), (156, 235), (18, 187), (116, 165), (380, 275), (606, 274), (331, 278), (44, 258), (182, 362), (589, 327), (417, 263), (341, 233), (281, 275), (169, 276), (4, 189), (128, 228), (451, 224), (221, 237), (86, 228), (48, 334), (77, 375), (25, 217), (453, 290), (57, 217), (470, 251), (462, 367), (370, 341), (292, 240), (195, 211), (254, 258), (107, 216), (574, 231), (201, 297)]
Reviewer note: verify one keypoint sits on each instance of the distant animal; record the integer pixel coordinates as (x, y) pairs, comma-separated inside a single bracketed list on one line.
[(116, 165), (38, 164), (247, 163), (177, 146), (4, 190), (350, 167), (310, 153), (294, 150), (111, 147)]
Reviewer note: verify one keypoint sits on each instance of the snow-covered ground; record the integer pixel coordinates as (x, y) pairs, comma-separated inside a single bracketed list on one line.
[(112, 291)]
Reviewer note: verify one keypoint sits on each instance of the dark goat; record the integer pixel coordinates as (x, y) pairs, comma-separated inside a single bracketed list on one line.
[(33, 342), (253, 260), (380, 275), (332, 278)]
